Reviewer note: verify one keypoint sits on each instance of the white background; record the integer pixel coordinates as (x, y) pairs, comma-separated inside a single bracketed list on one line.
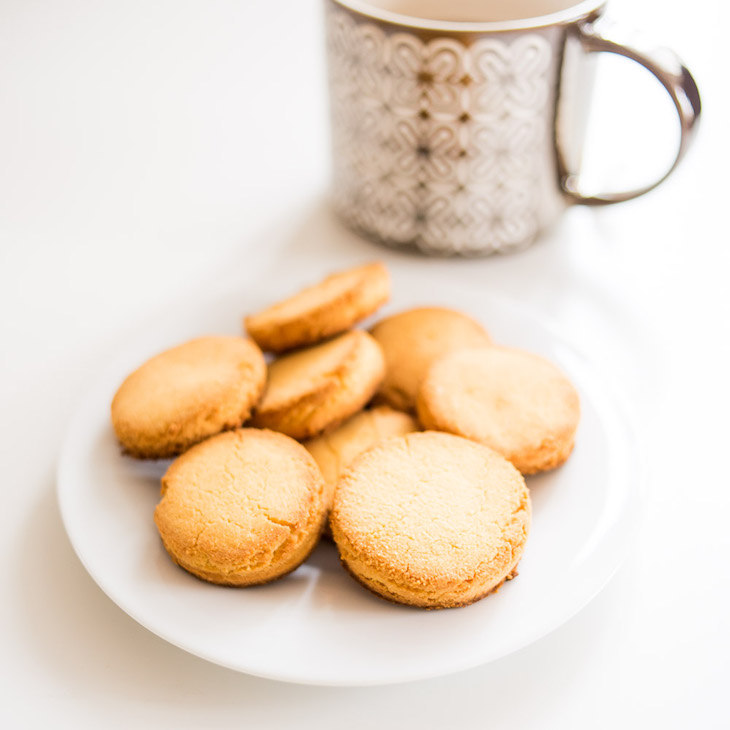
[(153, 150)]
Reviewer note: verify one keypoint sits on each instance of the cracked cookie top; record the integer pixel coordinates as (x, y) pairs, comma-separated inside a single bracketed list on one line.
[(241, 508), (430, 519)]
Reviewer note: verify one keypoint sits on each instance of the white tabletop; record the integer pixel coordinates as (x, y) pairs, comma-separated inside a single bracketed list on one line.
[(151, 151)]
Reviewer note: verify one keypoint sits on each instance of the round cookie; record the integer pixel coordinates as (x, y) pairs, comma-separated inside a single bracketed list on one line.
[(334, 451), (431, 519), (187, 393), (325, 309), (412, 340), (517, 403), (317, 388), (242, 508)]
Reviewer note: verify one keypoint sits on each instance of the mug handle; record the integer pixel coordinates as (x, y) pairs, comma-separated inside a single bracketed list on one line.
[(673, 75)]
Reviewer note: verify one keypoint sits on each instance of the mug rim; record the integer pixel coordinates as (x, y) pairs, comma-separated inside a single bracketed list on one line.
[(568, 15)]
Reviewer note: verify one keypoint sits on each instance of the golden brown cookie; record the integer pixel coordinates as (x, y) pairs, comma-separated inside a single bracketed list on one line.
[(317, 388), (320, 311), (243, 507), (334, 451), (517, 403), (186, 394), (431, 519), (412, 340)]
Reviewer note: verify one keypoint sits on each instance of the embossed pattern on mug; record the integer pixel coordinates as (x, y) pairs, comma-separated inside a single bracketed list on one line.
[(438, 143)]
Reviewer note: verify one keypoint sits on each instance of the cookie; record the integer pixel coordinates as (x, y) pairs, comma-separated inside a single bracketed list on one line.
[(320, 311), (431, 519), (517, 403), (334, 451), (242, 508), (412, 340), (186, 394), (317, 388)]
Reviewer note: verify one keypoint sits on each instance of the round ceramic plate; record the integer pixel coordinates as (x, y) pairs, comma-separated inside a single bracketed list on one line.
[(317, 625)]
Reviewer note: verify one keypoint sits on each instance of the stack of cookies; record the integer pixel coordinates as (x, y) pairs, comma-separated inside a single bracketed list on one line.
[(332, 439)]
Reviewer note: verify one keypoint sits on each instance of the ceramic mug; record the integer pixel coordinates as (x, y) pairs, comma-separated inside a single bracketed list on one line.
[(457, 125)]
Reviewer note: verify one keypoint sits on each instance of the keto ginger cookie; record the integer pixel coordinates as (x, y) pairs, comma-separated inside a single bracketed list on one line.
[(242, 508), (431, 519), (517, 403), (412, 340), (315, 389), (186, 394), (320, 311)]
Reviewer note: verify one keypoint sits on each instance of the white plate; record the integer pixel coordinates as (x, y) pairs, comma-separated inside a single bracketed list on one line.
[(317, 625)]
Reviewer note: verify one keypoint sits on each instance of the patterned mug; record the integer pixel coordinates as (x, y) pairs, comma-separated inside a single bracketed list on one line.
[(456, 130)]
